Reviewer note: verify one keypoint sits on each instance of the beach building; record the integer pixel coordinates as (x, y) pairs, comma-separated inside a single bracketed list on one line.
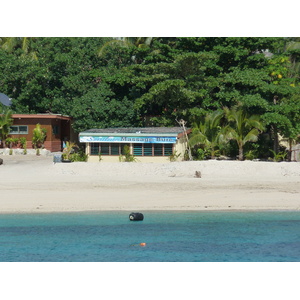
[(294, 147), (146, 144), (58, 129), (295, 153)]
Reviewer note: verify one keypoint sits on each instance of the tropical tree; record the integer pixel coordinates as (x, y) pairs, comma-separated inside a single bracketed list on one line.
[(292, 48), (286, 117), (139, 42), (141, 80), (11, 44), (130, 46), (282, 93), (242, 127), (6, 121), (99, 108), (179, 89), (208, 132), (39, 136)]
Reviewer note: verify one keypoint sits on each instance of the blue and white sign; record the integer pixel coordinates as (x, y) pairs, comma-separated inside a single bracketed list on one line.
[(128, 139)]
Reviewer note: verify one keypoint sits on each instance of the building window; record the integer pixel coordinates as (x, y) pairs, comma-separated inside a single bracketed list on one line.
[(104, 148), (19, 129), (148, 150), (115, 149), (95, 149), (152, 149), (55, 129), (137, 149), (168, 149), (107, 148), (158, 149)]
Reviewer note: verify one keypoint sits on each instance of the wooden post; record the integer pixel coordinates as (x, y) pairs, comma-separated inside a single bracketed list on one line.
[(182, 123)]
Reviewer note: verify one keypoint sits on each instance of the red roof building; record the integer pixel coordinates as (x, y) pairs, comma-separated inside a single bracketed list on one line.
[(58, 129)]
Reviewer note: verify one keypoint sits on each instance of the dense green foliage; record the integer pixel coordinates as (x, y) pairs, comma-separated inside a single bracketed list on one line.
[(39, 136), (208, 134), (6, 121), (242, 127), (105, 82)]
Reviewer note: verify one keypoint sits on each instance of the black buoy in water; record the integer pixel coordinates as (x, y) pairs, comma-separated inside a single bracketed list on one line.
[(136, 216)]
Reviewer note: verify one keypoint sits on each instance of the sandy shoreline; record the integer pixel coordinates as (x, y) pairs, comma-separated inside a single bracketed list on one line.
[(31, 184)]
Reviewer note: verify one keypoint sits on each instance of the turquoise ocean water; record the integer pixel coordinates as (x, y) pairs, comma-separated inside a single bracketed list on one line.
[(272, 236)]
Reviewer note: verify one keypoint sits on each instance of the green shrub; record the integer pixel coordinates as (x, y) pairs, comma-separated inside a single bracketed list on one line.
[(15, 142), (39, 136), (127, 156), (69, 150), (174, 156), (78, 156), (23, 142), (280, 156), (202, 154), (8, 142), (251, 154)]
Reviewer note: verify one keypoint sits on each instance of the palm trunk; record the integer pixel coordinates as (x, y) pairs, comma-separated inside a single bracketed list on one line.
[(241, 152), (212, 153)]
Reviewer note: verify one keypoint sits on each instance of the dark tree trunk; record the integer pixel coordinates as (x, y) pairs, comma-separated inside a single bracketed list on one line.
[(276, 142), (290, 150)]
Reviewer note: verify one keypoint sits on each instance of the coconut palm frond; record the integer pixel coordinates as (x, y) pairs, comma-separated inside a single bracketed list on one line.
[(111, 43), (148, 41), (139, 42), (9, 43), (6, 121), (242, 128), (231, 133), (25, 44), (198, 139), (143, 42), (293, 45), (215, 118), (251, 136), (207, 132), (256, 122)]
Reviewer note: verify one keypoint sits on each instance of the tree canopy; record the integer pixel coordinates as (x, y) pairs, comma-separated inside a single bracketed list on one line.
[(114, 82)]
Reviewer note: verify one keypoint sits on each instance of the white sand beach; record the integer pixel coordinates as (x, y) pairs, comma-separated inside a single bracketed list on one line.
[(31, 184)]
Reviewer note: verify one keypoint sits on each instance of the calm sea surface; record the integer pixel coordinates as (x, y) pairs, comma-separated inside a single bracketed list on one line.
[(169, 237)]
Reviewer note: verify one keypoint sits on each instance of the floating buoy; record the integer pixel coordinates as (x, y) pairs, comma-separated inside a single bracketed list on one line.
[(136, 217), (140, 244)]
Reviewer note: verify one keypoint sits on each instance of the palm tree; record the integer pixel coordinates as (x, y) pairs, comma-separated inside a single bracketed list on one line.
[(9, 44), (139, 42), (126, 42), (208, 132), (242, 127), (6, 121), (292, 49)]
